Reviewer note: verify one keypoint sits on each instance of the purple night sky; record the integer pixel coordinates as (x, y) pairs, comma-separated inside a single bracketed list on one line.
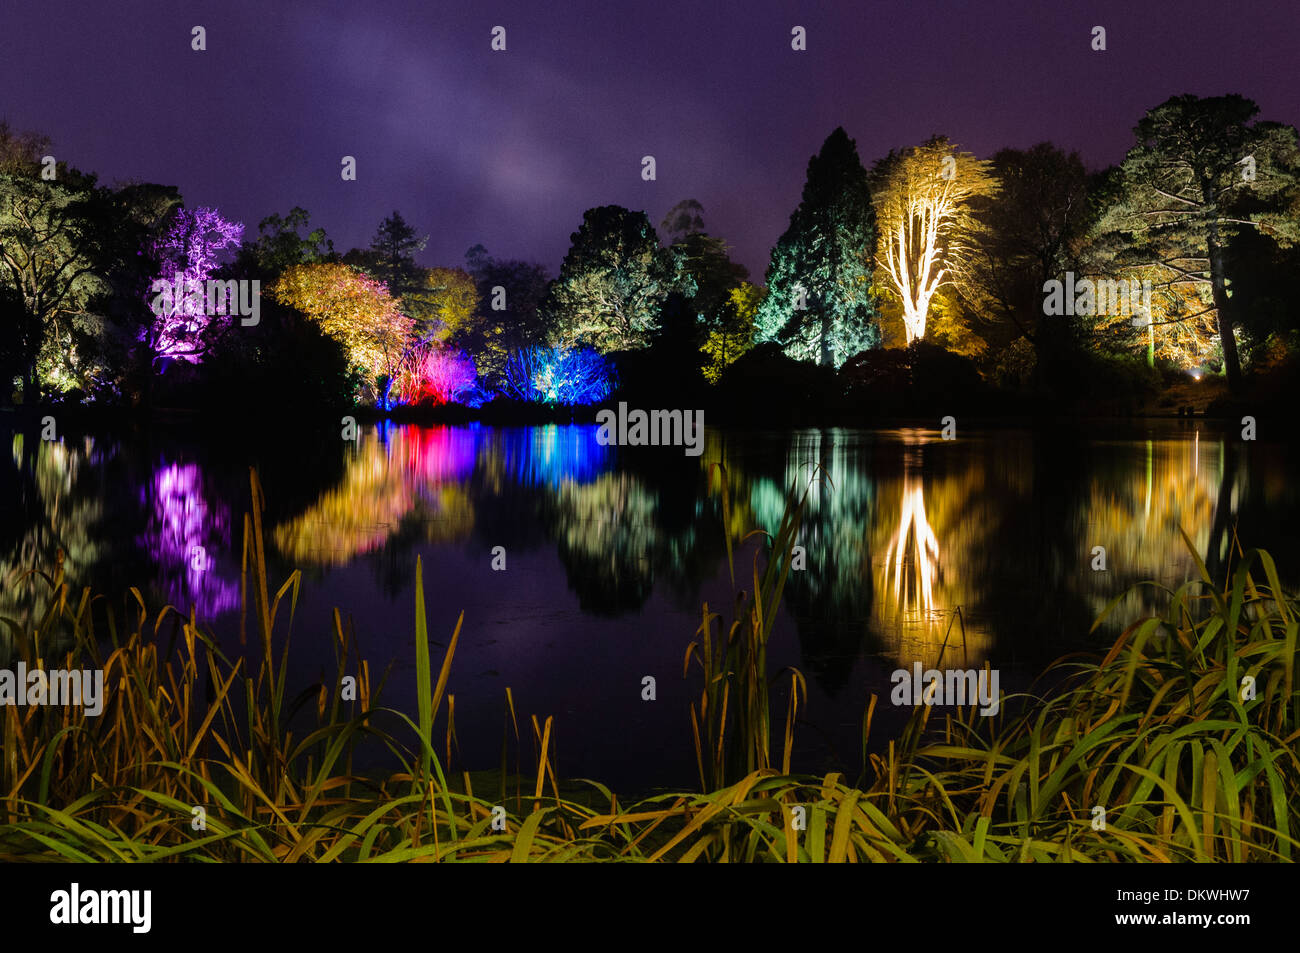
[(508, 149)]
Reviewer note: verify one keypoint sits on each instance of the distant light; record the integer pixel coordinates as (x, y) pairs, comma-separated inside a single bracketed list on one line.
[(1196, 372)]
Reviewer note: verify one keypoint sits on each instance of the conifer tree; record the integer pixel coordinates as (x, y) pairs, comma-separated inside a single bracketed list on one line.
[(819, 304)]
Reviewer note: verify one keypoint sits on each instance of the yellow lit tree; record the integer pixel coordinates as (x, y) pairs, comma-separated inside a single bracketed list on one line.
[(734, 334), (924, 222), (443, 304), (355, 310), (1182, 326)]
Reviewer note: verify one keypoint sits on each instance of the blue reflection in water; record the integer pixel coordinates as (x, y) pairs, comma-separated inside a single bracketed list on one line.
[(554, 454)]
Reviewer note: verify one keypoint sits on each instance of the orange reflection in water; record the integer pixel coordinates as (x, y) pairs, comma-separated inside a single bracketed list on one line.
[(411, 475), (912, 558)]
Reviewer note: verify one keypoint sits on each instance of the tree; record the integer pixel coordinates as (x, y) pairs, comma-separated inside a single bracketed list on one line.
[(733, 334), (683, 219), (819, 304), (612, 284), (1203, 171), (279, 246), (443, 302), (1032, 232), (21, 152), (705, 259), (109, 331), (395, 245), (698, 306), (1178, 328), (353, 309), (1260, 274), (510, 318), (551, 375), (49, 251), (19, 343), (186, 251), (431, 374), (71, 252), (924, 209)]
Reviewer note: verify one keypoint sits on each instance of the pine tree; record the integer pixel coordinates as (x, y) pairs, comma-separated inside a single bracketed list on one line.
[(1202, 172), (819, 305), (395, 245)]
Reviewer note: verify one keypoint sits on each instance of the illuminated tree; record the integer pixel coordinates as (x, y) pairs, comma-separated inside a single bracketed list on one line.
[(733, 334), (52, 238), (1180, 327), (1201, 172), (431, 374), (819, 304), (52, 235), (613, 282), (443, 302), (186, 252), (689, 320), (355, 310), (557, 376), (923, 199), (279, 246)]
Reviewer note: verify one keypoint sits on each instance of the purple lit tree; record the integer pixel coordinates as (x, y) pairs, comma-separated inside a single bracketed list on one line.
[(186, 252)]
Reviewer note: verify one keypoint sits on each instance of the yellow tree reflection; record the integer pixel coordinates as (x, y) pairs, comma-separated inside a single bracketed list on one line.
[(912, 558), (942, 519)]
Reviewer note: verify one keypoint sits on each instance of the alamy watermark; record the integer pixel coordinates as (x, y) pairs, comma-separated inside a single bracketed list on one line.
[(187, 296), (953, 686), (37, 686), (73, 906), (1105, 296), (655, 428)]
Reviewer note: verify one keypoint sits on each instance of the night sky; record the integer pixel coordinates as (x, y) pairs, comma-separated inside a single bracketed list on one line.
[(508, 149)]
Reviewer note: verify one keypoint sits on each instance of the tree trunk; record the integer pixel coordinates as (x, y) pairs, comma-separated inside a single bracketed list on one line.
[(826, 359), (1218, 286)]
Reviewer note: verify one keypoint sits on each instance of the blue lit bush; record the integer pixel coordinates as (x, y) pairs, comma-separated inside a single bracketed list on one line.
[(557, 376)]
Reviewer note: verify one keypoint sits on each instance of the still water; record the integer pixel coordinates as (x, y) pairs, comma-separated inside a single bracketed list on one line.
[(917, 549)]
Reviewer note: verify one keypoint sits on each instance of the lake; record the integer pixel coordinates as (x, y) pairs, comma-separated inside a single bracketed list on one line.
[(951, 553)]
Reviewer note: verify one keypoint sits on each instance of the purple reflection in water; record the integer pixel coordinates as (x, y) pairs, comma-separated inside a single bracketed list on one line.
[(185, 533)]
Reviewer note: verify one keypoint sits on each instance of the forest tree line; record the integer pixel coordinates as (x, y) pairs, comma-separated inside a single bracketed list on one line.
[(1003, 263)]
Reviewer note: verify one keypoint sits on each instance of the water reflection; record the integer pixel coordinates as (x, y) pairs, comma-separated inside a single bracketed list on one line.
[(912, 559), (402, 475), (917, 548), (51, 508), (187, 532)]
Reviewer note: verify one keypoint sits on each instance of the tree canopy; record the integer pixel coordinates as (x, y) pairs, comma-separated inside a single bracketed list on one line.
[(1201, 171), (355, 310), (612, 283), (925, 213), (819, 305)]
